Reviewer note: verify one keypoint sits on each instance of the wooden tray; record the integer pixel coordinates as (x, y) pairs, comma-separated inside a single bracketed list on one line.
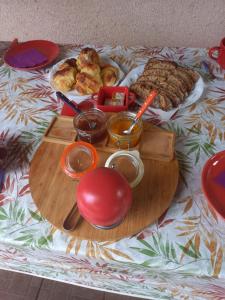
[(155, 143), (54, 192)]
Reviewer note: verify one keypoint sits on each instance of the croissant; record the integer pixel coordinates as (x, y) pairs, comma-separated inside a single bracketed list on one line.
[(86, 84), (109, 75), (87, 56), (71, 62), (65, 79), (93, 70)]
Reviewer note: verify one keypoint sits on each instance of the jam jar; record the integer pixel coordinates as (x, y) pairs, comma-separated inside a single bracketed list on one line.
[(91, 125)]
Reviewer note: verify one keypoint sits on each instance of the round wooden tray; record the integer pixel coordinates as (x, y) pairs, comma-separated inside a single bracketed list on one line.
[(54, 193)]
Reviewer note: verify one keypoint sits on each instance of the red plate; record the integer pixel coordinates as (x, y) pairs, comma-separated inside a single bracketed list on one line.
[(213, 182), (47, 48)]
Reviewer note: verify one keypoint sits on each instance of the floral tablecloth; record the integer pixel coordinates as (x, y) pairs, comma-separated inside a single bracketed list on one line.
[(181, 256)]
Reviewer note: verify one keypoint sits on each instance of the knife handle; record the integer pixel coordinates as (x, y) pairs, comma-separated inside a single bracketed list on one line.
[(68, 102)]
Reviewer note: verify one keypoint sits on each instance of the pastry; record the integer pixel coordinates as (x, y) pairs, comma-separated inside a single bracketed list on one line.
[(86, 84), (87, 56), (109, 75), (64, 79), (71, 62), (84, 74), (93, 70), (172, 82)]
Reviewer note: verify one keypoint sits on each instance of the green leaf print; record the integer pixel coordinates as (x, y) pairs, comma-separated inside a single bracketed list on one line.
[(160, 248), (3, 212), (35, 135), (36, 216), (20, 226), (192, 253), (6, 71), (42, 241), (146, 244), (24, 238), (196, 146), (179, 131)]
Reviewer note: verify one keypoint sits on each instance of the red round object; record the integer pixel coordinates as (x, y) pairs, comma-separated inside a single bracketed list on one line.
[(213, 182), (48, 48), (103, 197)]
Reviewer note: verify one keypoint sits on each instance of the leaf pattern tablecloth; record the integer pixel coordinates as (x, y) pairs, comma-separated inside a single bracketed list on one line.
[(181, 256)]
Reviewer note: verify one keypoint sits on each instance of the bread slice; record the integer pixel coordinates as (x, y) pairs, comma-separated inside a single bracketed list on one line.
[(143, 90), (153, 78), (156, 72), (171, 98), (185, 77), (173, 89), (194, 75), (160, 64), (178, 82), (163, 97)]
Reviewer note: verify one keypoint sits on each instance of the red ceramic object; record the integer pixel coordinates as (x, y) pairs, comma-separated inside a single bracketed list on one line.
[(213, 182), (103, 197), (220, 58), (47, 48), (106, 92)]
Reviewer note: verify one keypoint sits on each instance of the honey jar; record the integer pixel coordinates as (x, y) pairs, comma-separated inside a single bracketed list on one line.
[(116, 126)]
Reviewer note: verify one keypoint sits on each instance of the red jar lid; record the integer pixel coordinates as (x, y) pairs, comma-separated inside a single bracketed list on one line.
[(78, 158), (103, 197)]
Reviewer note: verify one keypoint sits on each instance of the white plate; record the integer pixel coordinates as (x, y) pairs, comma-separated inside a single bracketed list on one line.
[(74, 95), (195, 94)]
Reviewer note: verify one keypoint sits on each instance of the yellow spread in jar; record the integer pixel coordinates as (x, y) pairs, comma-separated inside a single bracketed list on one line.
[(121, 125), (123, 140)]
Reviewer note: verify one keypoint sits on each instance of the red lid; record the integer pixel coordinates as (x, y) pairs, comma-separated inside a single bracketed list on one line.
[(213, 182), (103, 197), (78, 158)]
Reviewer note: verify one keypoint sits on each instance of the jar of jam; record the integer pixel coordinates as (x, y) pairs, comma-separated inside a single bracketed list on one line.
[(91, 125), (116, 126)]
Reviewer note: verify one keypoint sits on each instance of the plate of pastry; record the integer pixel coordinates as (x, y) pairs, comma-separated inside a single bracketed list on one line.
[(178, 86), (80, 77)]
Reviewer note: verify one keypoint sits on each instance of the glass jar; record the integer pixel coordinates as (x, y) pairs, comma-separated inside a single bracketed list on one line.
[(129, 164), (116, 126), (78, 158), (91, 125)]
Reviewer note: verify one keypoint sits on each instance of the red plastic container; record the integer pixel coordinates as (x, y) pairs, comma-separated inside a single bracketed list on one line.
[(103, 197), (106, 93)]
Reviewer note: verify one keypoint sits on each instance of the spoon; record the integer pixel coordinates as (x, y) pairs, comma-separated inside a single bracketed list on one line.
[(143, 108), (61, 96), (72, 219)]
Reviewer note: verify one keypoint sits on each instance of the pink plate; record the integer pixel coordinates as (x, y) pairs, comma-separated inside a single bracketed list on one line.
[(45, 48), (213, 182)]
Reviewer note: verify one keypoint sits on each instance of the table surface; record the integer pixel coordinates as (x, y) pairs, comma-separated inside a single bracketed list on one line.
[(181, 256)]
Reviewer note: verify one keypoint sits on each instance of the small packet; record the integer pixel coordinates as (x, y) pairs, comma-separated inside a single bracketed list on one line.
[(116, 100)]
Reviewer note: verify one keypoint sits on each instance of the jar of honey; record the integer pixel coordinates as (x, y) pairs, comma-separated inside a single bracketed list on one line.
[(116, 126), (91, 125)]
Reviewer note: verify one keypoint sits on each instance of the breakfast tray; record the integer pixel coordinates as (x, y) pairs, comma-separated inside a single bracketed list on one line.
[(54, 192)]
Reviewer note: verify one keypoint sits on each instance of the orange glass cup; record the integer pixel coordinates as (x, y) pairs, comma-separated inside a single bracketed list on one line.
[(78, 158)]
